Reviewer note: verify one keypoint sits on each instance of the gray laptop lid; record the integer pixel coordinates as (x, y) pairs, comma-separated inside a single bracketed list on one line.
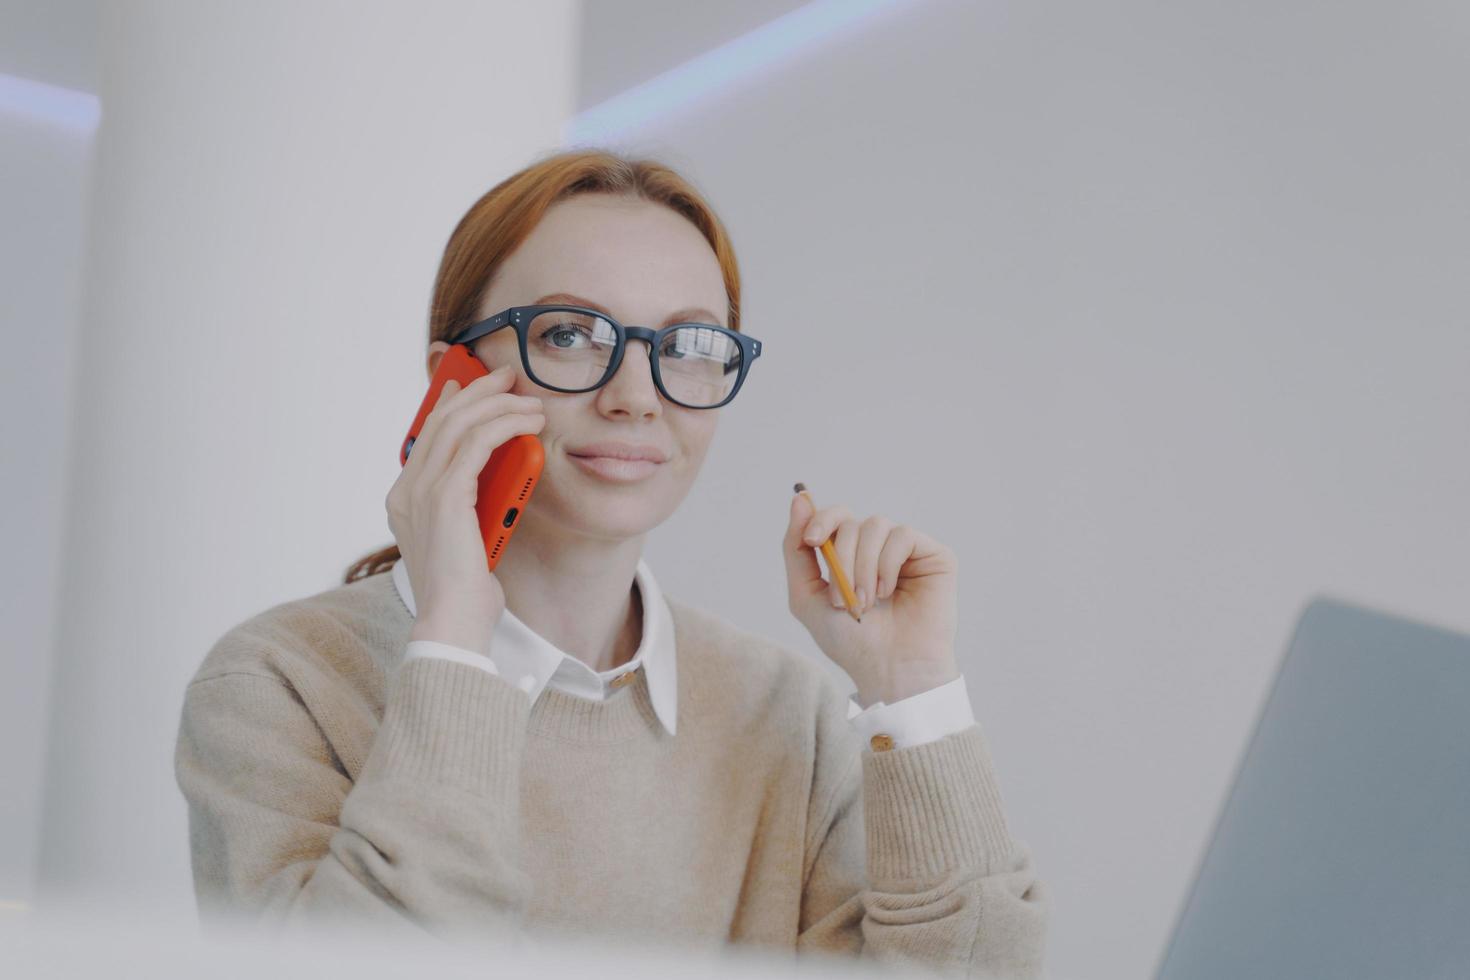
[(1343, 849)]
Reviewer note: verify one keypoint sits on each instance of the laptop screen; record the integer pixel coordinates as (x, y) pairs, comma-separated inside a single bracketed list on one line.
[(1343, 849)]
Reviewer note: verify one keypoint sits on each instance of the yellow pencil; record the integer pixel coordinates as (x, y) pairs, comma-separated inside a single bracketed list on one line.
[(834, 567)]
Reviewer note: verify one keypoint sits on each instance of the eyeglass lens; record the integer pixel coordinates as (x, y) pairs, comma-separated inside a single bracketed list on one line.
[(569, 349)]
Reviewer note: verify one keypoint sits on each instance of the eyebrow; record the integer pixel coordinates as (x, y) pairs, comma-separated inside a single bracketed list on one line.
[(686, 315)]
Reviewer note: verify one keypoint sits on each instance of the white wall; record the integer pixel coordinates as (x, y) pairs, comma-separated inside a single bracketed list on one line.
[(275, 184), (47, 75), (1155, 313)]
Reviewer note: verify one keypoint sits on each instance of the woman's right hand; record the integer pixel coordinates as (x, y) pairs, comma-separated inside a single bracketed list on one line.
[(431, 507)]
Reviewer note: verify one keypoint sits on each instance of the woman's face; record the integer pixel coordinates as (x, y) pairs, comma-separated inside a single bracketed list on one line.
[(640, 262)]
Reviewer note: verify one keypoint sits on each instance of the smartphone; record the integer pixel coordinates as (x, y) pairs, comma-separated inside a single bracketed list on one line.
[(510, 475)]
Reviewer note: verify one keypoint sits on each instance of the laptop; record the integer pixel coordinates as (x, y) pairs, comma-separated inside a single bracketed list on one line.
[(1343, 848)]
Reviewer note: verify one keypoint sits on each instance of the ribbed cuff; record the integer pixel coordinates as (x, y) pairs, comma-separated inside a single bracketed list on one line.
[(447, 722), (932, 809)]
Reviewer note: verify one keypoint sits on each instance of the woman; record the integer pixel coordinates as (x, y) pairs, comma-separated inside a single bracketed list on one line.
[(560, 744)]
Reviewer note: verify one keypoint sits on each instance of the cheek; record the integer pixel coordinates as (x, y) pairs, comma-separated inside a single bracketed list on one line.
[(555, 410), (694, 443)]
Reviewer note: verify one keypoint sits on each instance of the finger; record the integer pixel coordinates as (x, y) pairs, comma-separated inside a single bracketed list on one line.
[(803, 573), (441, 446), (481, 408), (820, 529), (897, 550), (927, 557), (845, 545), (873, 534), (415, 462), (452, 396), (475, 449), (806, 587), (823, 523)]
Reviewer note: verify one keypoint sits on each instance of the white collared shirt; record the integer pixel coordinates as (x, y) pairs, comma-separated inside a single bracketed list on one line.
[(529, 661)]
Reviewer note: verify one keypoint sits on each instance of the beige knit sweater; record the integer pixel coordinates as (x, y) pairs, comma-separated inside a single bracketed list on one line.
[(330, 781)]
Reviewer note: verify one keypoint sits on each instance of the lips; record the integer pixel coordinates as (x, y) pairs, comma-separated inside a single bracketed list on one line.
[(617, 470), (621, 450)]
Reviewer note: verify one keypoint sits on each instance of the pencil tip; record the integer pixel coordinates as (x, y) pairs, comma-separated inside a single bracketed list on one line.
[(799, 488)]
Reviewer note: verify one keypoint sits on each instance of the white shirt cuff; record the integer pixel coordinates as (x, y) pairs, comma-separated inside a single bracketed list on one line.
[(433, 648), (919, 718)]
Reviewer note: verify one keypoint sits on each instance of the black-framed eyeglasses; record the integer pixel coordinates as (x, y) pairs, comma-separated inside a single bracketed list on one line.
[(575, 349)]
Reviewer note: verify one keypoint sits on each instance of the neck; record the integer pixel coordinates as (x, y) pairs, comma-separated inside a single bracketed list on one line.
[(577, 593)]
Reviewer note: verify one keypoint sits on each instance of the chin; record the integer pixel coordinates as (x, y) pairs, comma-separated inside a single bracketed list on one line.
[(616, 522)]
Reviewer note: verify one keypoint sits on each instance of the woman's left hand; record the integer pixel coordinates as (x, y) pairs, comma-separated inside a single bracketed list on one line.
[(905, 642)]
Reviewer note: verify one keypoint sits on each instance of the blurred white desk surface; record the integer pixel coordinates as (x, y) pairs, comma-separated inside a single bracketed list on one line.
[(77, 942)]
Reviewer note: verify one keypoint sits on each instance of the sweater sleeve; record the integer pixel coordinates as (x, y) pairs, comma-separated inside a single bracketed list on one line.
[(909, 859), (425, 841)]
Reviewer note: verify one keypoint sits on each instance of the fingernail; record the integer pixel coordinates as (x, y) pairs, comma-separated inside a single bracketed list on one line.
[(862, 600)]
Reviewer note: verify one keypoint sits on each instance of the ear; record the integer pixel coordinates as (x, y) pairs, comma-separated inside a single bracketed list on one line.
[(436, 352)]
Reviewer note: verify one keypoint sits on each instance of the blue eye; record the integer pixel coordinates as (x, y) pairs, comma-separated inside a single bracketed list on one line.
[(562, 336)]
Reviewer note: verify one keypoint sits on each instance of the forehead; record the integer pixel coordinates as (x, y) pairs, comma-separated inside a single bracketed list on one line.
[(637, 259)]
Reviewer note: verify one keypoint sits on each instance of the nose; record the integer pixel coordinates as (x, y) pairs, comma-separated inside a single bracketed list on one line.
[(631, 388)]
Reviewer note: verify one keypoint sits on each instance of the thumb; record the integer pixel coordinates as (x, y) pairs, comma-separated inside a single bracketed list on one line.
[(804, 582)]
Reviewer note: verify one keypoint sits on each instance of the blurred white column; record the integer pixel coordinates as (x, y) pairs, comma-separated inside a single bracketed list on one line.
[(274, 186), (42, 228), (48, 116)]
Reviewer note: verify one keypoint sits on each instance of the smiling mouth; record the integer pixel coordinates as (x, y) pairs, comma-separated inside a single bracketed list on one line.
[(617, 470)]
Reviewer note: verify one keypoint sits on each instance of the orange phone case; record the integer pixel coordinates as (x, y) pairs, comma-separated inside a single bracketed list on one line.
[(509, 476)]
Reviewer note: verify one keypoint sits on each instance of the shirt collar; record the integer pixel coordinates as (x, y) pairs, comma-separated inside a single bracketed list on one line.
[(531, 662)]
